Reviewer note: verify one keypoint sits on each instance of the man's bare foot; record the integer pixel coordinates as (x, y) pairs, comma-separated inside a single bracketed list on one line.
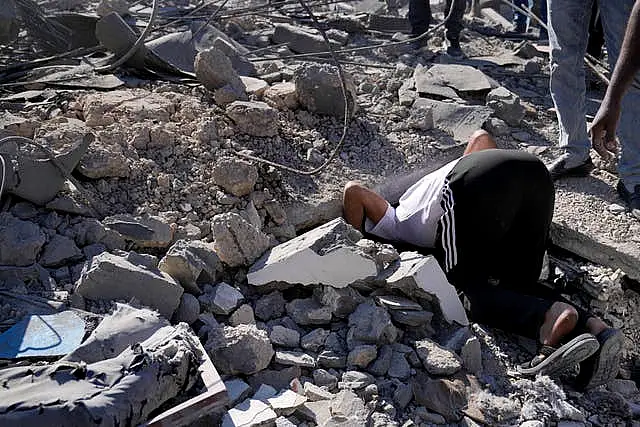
[(559, 320)]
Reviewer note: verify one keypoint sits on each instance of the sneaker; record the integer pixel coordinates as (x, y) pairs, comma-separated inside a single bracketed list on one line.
[(631, 199), (559, 168), (453, 48), (603, 365)]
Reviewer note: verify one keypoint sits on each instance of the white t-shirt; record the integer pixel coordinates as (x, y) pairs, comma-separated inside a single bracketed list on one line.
[(415, 220)]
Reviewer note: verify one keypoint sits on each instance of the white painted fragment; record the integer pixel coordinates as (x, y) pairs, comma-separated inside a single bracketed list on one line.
[(425, 273), (325, 255), (250, 413)]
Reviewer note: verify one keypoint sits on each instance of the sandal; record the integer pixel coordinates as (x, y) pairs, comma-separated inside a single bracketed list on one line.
[(603, 365), (551, 360)]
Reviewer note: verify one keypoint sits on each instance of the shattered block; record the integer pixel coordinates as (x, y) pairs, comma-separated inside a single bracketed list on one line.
[(450, 80), (325, 255), (191, 262), (459, 121), (319, 90), (145, 232), (300, 40), (254, 118), (416, 274), (236, 176), (237, 242), (370, 324), (59, 251), (20, 241), (109, 277), (250, 413), (506, 105), (282, 96), (214, 70), (243, 349)]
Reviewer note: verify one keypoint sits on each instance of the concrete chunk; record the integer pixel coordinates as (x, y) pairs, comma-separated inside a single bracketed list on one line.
[(506, 105), (415, 273), (109, 277), (145, 232), (243, 349), (460, 78), (459, 121), (254, 118), (237, 242), (319, 90), (286, 402), (190, 262), (250, 413), (21, 241), (327, 255), (299, 40)]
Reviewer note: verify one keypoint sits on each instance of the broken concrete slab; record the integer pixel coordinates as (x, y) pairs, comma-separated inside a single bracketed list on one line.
[(436, 359), (254, 86), (21, 241), (459, 121), (215, 71), (254, 118), (222, 299), (294, 358), (145, 232), (300, 40), (250, 413), (319, 90), (506, 105), (190, 262), (60, 250), (441, 79), (109, 276), (416, 274), (308, 312), (370, 324), (226, 343), (236, 176), (443, 396), (237, 242), (328, 253), (282, 96), (286, 402), (421, 117)]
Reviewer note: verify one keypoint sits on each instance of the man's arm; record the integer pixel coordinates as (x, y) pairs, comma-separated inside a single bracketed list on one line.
[(603, 128)]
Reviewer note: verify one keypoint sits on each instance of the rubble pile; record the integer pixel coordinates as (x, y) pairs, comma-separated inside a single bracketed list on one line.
[(206, 270)]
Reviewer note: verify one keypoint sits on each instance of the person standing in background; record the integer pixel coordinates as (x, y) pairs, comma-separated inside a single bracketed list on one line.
[(420, 17)]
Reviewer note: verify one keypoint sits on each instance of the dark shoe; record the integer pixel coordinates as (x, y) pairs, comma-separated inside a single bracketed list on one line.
[(603, 366), (453, 49), (631, 199), (551, 361), (559, 169)]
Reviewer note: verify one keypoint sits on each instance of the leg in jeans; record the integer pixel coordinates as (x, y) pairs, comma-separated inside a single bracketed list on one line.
[(614, 16), (454, 24), (542, 14), (520, 19), (419, 16), (568, 34)]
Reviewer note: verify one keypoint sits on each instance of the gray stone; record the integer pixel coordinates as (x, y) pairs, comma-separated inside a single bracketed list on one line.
[(497, 127), (436, 359), (214, 70), (459, 121), (300, 40), (254, 118), (421, 117), (399, 367), (382, 364), (532, 67), (506, 105), (242, 316), (370, 324), (237, 390), (403, 395), (627, 388), (270, 306), (282, 96), (323, 378), (418, 275), (314, 340), (407, 93), (188, 310), (236, 176), (109, 277), (254, 86), (276, 378), (308, 312), (105, 7), (143, 260), (332, 359), (471, 355), (444, 396), (318, 412), (362, 355), (229, 93), (21, 241), (327, 254), (341, 301), (239, 62), (412, 317), (460, 78), (315, 393), (284, 337), (320, 90), (294, 358), (144, 232), (190, 262), (223, 299), (237, 242), (242, 349), (60, 250), (355, 380), (250, 413), (347, 409)]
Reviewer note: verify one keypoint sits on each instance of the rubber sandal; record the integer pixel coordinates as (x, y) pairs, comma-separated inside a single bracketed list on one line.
[(604, 364), (550, 360)]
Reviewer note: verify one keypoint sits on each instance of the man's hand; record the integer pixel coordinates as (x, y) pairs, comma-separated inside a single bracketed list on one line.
[(603, 130)]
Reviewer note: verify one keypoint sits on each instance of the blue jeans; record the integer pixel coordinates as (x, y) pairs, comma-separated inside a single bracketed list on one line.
[(519, 18), (568, 35)]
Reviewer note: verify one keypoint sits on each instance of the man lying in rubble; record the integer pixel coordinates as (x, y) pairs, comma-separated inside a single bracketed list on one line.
[(486, 217)]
